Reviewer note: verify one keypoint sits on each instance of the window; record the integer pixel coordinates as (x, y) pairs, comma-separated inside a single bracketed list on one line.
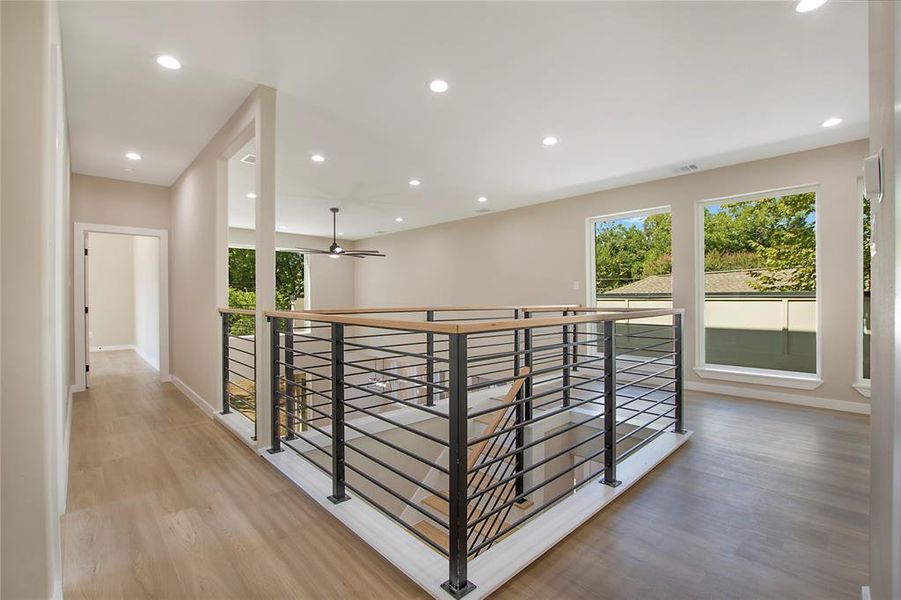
[(633, 265), (865, 287), (289, 283), (759, 286)]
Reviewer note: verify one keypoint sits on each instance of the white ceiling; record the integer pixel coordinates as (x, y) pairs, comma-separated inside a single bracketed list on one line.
[(631, 89)]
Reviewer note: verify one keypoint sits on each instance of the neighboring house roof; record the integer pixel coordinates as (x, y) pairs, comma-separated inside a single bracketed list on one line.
[(723, 282)]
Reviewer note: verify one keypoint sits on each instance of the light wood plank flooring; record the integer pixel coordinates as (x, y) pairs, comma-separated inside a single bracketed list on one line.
[(765, 501)]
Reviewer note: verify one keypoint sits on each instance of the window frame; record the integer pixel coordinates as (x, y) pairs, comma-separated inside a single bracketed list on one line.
[(861, 384), (772, 377)]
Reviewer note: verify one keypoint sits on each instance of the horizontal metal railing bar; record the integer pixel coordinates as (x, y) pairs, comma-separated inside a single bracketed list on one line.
[(399, 521), (667, 341), (305, 337), (243, 364), (307, 422), (241, 375), (392, 350), (298, 435), (425, 409), (396, 447), (397, 495), (303, 387), (437, 386), (650, 376), (534, 419), (396, 471), (533, 374), (464, 327), (535, 350), (641, 396), (647, 411), (640, 445), (245, 390), (247, 352), (643, 363), (392, 398), (645, 337), (313, 355), (645, 426), (422, 434), (544, 461), (538, 486), (517, 522), (295, 351), (315, 410), (491, 409)]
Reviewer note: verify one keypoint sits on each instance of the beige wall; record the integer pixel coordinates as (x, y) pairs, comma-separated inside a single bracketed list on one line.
[(538, 254), (330, 283), (34, 206), (114, 202), (885, 439), (198, 270), (103, 201), (111, 298)]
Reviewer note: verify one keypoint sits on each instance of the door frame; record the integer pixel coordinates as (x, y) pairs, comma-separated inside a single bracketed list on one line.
[(81, 231)]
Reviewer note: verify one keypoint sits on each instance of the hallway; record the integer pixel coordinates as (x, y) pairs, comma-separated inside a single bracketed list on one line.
[(765, 501), (165, 503)]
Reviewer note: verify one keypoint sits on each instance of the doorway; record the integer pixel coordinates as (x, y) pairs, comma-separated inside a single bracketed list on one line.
[(121, 300)]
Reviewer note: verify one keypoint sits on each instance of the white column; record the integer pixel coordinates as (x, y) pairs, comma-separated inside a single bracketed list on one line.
[(265, 253)]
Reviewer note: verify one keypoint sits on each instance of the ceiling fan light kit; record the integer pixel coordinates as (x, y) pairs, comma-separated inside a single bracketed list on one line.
[(335, 250)]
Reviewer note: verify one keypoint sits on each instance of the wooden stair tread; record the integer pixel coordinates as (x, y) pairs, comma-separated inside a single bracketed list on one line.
[(433, 532)]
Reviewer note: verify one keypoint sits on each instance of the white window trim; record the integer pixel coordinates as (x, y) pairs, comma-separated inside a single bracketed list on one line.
[(778, 378), (861, 384)]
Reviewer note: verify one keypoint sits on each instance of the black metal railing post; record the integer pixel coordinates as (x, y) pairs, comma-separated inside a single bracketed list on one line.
[(518, 414), (290, 387), (610, 404), (226, 405), (527, 362), (575, 340), (338, 478), (566, 361), (677, 343), (276, 440), (457, 584), (430, 362)]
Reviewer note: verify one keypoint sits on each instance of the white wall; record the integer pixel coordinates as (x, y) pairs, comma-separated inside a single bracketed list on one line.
[(146, 292), (111, 290), (535, 254), (34, 207)]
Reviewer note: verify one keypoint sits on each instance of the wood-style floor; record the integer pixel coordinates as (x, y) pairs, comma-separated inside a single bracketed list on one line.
[(765, 501)]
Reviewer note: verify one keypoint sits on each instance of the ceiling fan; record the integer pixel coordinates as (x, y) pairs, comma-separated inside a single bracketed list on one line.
[(335, 250)]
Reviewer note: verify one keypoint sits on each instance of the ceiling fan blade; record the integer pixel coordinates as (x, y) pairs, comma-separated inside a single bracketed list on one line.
[(364, 251), (356, 254), (312, 251)]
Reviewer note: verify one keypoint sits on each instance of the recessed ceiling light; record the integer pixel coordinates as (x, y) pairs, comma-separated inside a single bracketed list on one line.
[(439, 86), (549, 141), (414, 182), (482, 199), (317, 158), (804, 6), (282, 227), (340, 233), (168, 62), (831, 122), (133, 156), (399, 219), (251, 195)]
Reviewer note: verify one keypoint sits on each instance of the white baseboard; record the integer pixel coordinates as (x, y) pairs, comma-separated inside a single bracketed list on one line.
[(112, 348), (207, 409), (860, 408)]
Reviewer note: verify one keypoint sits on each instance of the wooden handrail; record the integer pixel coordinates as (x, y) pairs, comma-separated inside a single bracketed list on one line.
[(236, 311), (476, 451), (451, 327)]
